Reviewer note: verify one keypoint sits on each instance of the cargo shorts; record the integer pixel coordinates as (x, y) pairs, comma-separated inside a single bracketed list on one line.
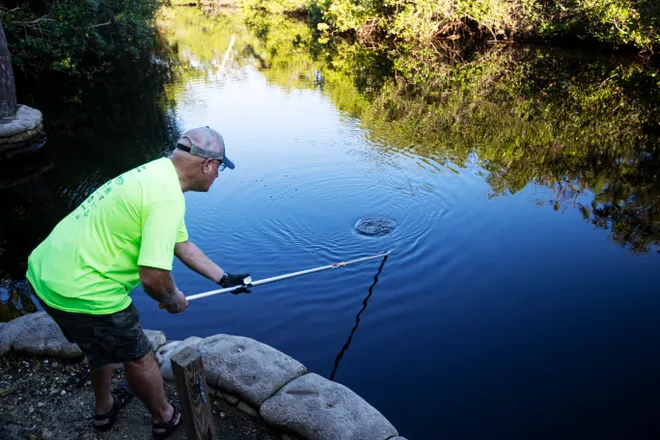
[(104, 339)]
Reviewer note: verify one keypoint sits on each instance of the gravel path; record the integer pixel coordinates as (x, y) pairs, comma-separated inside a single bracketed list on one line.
[(46, 398)]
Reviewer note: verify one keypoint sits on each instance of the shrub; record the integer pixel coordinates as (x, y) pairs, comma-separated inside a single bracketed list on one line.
[(77, 37)]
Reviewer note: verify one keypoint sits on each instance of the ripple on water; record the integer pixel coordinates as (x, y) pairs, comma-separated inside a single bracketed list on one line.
[(375, 226)]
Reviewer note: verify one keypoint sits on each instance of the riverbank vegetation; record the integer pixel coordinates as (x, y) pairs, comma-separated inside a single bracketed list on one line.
[(77, 38), (83, 39), (615, 22)]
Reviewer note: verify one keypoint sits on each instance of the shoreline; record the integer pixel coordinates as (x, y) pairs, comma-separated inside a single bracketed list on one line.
[(281, 399)]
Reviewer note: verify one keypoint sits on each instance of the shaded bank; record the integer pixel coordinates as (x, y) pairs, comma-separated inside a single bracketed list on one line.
[(93, 128)]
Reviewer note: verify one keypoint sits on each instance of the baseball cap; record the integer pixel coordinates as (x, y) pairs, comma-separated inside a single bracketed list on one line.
[(205, 142)]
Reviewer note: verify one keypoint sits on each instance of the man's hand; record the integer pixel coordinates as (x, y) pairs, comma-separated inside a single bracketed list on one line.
[(231, 280), (179, 304)]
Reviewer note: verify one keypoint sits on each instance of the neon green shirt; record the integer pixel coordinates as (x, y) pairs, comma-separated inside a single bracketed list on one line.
[(90, 261)]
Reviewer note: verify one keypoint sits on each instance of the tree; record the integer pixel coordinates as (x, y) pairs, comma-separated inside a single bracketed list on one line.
[(7, 87)]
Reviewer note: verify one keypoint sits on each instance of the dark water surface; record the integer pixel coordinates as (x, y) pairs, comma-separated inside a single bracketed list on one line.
[(521, 299)]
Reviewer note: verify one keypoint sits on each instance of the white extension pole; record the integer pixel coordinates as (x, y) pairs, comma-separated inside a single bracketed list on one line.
[(284, 277)]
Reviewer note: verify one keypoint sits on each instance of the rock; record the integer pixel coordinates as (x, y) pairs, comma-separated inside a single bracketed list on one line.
[(397, 438), (214, 392), (165, 353), (247, 368), (21, 137), (40, 335), (318, 409), (46, 434), (26, 118), (156, 337), (231, 399), (31, 410), (11, 331), (63, 393), (40, 404), (247, 409)]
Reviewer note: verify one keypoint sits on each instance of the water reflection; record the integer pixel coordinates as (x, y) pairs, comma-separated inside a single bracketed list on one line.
[(584, 127)]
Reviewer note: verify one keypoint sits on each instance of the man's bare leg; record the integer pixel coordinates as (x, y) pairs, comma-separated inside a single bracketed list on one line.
[(101, 381), (146, 383)]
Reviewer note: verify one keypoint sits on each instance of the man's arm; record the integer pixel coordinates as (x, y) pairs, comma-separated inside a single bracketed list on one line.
[(196, 260), (159, 285)]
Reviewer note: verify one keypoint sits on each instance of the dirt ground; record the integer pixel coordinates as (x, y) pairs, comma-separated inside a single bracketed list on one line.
[(47, 398)]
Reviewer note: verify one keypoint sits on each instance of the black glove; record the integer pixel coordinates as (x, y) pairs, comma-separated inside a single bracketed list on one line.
[(230, 279), (242, 289)]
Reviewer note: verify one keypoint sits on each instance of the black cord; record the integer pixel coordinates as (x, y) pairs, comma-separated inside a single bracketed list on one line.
[(357, 319)]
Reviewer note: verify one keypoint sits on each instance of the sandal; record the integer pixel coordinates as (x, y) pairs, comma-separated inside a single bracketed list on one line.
[(122, 396), (169, 427)]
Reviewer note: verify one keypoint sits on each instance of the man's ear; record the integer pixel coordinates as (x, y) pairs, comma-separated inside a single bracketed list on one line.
[(206, 164)]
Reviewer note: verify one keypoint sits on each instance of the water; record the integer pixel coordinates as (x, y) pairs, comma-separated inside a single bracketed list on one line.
[(521, 297)]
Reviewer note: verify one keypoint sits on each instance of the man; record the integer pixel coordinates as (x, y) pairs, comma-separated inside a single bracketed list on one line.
[(127, 232)]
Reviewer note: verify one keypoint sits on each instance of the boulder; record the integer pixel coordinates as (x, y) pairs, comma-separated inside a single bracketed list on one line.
[(10, 332), (37, 333), (247, 409), (318, 409), (22, 137), (165, 353), (156, 337), (246, 368), (26, 118)]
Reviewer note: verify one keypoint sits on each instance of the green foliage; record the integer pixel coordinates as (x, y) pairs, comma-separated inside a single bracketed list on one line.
[(277, 6), (632, 22), (77, 37)]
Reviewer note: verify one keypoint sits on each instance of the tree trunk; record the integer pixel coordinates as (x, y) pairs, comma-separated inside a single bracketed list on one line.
[(7, 86)]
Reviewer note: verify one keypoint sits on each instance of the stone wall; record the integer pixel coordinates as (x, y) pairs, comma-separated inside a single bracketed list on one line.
[(258, 379)]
